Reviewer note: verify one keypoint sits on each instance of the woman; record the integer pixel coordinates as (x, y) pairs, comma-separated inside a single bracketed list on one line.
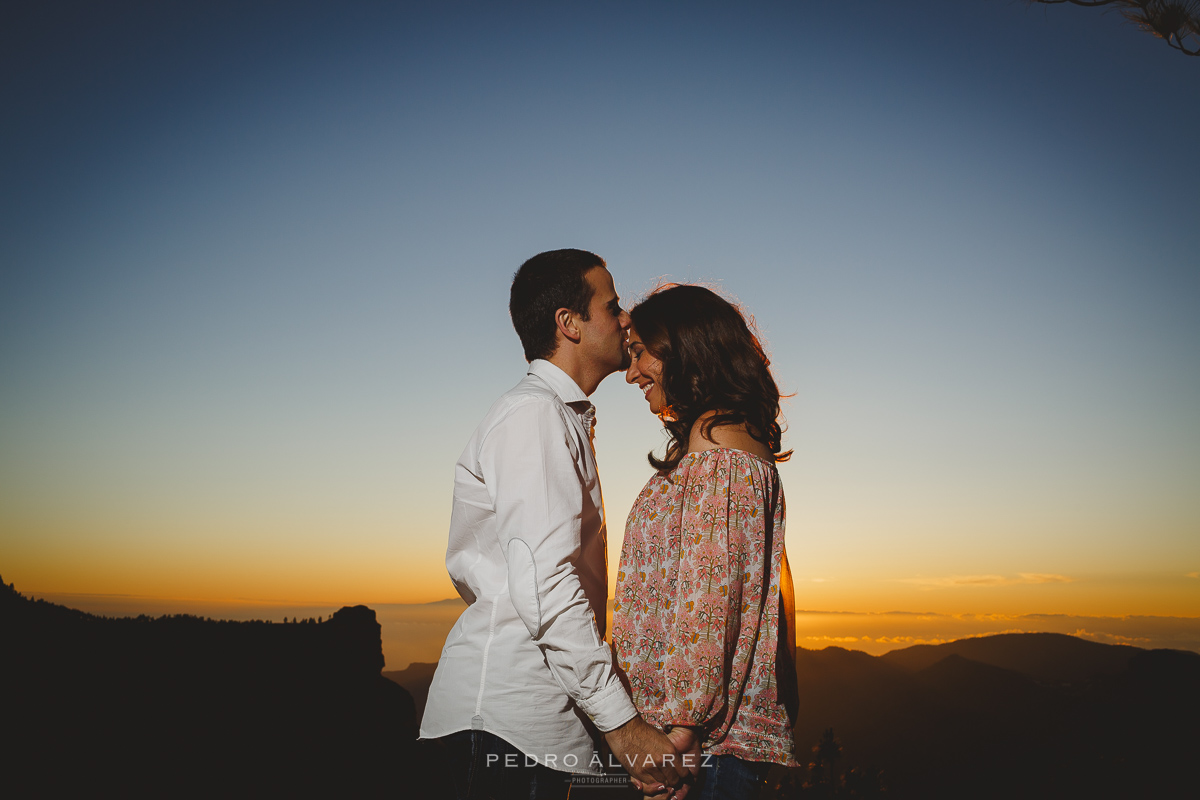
[(703, 618)]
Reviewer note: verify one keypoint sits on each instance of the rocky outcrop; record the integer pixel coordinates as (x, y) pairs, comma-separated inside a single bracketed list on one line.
[(184, 706)]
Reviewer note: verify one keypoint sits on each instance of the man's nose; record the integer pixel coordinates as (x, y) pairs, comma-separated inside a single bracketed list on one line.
[(624, 319)]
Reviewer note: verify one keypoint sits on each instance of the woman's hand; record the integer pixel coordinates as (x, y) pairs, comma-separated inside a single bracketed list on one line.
[(648, 756), (687, 742), (678, 793)]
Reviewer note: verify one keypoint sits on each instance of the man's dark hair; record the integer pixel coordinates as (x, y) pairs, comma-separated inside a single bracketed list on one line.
[(545, 283)]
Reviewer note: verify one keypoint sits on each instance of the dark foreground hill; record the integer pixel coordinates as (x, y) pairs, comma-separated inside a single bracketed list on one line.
[(1014, 715), (416, 678), (187, 707)]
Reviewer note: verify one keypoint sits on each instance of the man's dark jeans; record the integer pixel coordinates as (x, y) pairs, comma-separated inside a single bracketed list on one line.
[(729, 778), (485, 767)]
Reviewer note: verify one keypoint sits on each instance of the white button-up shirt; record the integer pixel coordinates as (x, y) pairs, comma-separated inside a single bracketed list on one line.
[(527, 660)]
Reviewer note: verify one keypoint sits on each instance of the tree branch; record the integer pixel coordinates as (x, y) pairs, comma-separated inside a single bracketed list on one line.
[(1174, 21)]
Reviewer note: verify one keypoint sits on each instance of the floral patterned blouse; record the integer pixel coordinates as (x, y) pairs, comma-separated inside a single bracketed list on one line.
[(697, 622)]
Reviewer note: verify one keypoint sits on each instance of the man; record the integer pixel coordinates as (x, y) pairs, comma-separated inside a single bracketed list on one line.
[(525, 677)]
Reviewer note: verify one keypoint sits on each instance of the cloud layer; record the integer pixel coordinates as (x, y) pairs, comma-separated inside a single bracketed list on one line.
[(879, 633), (1022, 579)]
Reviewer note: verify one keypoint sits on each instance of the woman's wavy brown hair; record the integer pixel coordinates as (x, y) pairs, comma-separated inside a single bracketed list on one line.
[(711, 361)]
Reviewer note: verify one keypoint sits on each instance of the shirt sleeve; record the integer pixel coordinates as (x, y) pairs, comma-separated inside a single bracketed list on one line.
[(718, 598), (531, 465)]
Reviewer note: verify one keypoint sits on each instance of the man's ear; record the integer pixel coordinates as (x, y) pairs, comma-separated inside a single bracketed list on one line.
[(567, 322)]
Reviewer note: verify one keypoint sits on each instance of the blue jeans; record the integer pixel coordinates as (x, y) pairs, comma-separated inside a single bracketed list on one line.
[(485, 767), (729, 778)]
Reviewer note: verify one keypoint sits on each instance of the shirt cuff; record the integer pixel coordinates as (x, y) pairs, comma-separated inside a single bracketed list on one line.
[(610, 708)]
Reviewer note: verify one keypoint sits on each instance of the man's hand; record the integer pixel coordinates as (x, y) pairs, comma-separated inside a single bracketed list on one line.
[(648, 756), (687, 742)]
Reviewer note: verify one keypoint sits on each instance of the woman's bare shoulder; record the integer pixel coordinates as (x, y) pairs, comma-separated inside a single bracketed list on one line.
[(733, 437)]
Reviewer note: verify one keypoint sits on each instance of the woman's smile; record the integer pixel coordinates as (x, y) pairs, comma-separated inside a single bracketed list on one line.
[(646, 371)]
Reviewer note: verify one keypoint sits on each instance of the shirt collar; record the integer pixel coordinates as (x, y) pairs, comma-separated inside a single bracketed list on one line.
[(567, 390)]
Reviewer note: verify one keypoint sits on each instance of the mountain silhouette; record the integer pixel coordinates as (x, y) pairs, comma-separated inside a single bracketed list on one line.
[(1012, 715), (416, 679), (180, 706), (1045, 657)]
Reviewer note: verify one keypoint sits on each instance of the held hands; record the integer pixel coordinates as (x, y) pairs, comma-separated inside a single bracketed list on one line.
[(651, 759), (687, 744)]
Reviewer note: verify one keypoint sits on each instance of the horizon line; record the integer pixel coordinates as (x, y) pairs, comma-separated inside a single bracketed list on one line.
[(337, 605)]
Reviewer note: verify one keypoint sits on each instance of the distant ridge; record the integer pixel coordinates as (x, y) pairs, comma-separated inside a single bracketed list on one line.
[(180, 706), (954, 720), (416, 678), (1050, 657)]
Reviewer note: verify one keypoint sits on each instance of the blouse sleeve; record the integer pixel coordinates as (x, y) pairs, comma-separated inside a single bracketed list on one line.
[(719, 590)]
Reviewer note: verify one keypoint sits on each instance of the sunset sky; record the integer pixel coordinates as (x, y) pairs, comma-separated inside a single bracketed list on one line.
[(255, 262)]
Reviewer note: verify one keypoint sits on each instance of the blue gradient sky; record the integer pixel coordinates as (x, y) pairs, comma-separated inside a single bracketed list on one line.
[(255, 261)]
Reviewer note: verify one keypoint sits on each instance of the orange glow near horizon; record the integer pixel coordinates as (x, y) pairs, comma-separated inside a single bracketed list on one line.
[(362, 587), (375, 559), (343, 580), (111, 573), (336, 577)]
